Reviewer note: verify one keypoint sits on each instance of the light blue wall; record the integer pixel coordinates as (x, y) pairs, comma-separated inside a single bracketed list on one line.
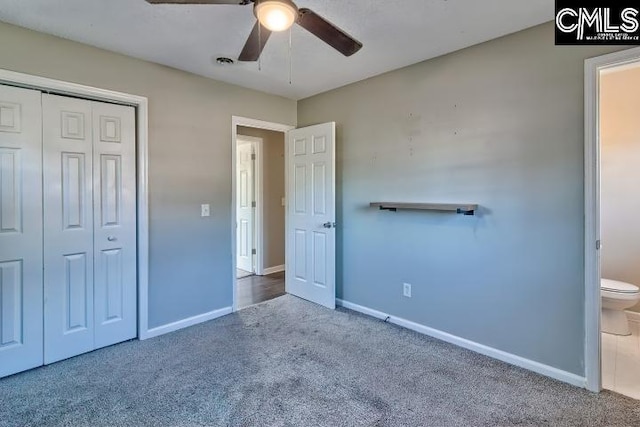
[(499, 124)]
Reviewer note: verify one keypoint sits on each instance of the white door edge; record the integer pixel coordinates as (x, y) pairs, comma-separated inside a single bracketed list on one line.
[(592, 67), (258, 124), (60, 87), (258, 190)]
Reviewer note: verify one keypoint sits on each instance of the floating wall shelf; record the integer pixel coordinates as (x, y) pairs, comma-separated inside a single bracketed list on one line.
[(465, 209)]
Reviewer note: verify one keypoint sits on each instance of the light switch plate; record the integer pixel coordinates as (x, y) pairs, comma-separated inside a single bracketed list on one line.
[(406, 290), (205, 210)]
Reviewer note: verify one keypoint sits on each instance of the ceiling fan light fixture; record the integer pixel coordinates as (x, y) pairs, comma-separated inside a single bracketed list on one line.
[(276, 15)]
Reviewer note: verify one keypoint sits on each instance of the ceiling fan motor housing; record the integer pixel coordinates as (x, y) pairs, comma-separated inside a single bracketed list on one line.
[(275, 15)]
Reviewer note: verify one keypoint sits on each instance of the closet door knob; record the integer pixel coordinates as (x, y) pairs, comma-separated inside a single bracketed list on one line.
[(112, 238)]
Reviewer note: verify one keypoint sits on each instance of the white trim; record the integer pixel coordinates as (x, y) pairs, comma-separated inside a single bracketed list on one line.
[(287, 283), (66, 88), (258, 191), (633, 316), (592, 68), (235, 122), (273, 270), (260, 124), (617, 69), (190, 321), (512, 359), (142, 155), (592, 233)]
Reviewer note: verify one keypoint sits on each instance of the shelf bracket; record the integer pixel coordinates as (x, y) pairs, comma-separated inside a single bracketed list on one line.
[(470, 212)]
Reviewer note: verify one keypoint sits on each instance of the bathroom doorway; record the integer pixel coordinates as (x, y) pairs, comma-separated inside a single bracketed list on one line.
[(619, 229), (612, 236)]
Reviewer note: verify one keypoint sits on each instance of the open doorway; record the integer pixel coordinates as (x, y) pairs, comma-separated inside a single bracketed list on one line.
[(612, 237), (259, 175), (619, 125), (307, 166)]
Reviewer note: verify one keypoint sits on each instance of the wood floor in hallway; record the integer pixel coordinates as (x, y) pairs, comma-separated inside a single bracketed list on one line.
[(255, 289)]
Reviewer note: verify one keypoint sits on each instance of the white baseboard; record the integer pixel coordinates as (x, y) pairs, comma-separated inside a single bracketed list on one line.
[(531, 365), (272, 270), (180, 324), (633, 316)]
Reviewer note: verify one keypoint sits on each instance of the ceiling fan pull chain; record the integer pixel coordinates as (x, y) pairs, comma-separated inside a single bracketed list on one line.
[(259, 45), (290, 61)]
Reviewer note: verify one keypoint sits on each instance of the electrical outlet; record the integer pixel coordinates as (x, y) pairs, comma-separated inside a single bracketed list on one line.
[(205, 210), (406, 290)]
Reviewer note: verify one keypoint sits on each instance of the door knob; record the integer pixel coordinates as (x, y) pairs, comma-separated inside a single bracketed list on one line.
[(329, 225), (112, 238)]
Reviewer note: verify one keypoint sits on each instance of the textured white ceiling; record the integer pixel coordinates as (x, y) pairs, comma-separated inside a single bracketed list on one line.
[(395, 33)]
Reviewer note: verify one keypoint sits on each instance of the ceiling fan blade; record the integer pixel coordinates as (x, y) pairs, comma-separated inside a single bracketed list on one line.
[(327, 32), (255, 43), (239, 2)]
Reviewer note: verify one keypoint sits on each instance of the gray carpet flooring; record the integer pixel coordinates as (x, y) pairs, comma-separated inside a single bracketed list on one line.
[(287, 362)]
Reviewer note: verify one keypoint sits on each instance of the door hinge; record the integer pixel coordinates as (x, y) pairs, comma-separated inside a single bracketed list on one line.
[(253, 157), (253, 204), (598, 245), (254, 252)]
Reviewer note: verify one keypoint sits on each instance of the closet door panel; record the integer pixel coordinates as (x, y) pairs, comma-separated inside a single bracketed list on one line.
[(20, 230), (114, 223), (68, 232)]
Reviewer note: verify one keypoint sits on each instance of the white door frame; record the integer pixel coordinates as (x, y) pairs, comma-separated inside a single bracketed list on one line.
[(140, 103), (592, 68), (259, 124), (258, 197)]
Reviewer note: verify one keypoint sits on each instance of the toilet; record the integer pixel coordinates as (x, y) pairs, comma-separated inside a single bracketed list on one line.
[(616, 297)]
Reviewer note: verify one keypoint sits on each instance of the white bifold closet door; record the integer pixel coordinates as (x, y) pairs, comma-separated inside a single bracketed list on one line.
[(89, 225), (20, 230)]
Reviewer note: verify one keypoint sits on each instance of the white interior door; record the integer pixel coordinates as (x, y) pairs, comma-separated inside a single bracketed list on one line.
[(310, 222), (20, 230), (114, 223), (68, 222), (90, 226), (245, 207)]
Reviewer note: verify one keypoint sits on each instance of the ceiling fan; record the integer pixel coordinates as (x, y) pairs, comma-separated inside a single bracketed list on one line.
[(280, 15)]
